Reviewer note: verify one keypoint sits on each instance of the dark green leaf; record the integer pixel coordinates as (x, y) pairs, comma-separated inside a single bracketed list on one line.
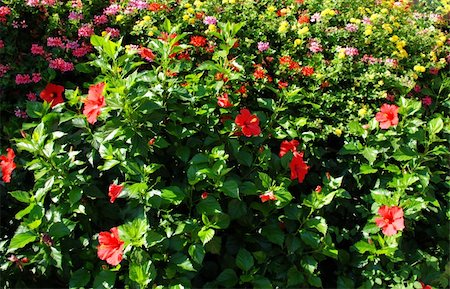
[(231, 189), (227, 278), (104, 280), (79, 278), (244, 260)]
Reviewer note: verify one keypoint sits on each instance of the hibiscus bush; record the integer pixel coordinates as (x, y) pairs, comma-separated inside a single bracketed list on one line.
[(225, 144)]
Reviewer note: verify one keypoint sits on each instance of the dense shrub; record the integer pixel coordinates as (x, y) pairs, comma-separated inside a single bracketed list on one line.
[(225, 144)]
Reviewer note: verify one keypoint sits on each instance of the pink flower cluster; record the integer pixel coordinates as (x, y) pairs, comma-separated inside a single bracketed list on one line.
[(314, 46), (4, 11), (351, 27), (113, 32), (86, 30), (351, 51), (82, 51), (26, 78), (20, 113), (100, 19), (36, 49), (61, 65), (210, 20), (34, 3), (3, 69), (263, 46), (112, 9), (75, 16), (55, 42), (370, 59)]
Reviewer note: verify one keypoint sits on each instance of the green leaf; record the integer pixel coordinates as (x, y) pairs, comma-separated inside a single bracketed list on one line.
[(80, 278), (273, 233), (366, 169), (173, 194), (363, 246), (227, 278), (109, 164), (314, 281), (231, 189), (244, 260), (206, 234), (208, 206), (134, 232), (97, 40), (317, 223), (21, 196), (260, 282), (310, 238), (370, 154), (197, 253), (435, 125), (381, 196), (295, 277), (154, 238), (104, 280), (58, 230), (182, 261), (21, 240), (142, 272), (236, 209), (35, 109), (266, 103), (404, 154), (266, 181), (309, 264), (75, 196)]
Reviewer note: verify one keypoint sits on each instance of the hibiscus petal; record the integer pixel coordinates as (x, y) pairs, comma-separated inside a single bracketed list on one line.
[(389, 230)]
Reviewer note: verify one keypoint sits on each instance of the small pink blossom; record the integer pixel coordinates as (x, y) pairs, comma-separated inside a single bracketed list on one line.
[(263, 46), (366, 21), (37, 49), (351, 51), (417, 88), (55, 42), (210, 20), (36, 77), (23, 79), (100, 19), (31, 96), (350, 27), (427, 101), (86, 30), (315, 17), (2, 44), (61, 64), (75, 16), (314, 46), (112, 9), (113, 32), (3, 69)]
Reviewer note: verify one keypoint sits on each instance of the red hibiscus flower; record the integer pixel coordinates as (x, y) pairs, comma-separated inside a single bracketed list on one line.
[(94, 102), (391, 220), (224, 101), (298, 167), (111, 246), (287, 146), (388, 116), (248, 122), (8, 165), (198, 41), (267, 196), (425, 286), (52, 94), (114, 191), (204, 195), (146, 53)]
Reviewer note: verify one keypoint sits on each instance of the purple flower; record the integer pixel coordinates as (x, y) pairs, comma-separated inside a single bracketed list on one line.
[(315, 17), (351, 51), (210, 20), (263, 46), (314, 46)]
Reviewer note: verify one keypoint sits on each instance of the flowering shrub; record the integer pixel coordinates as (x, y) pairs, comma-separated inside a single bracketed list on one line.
[(225, 144)]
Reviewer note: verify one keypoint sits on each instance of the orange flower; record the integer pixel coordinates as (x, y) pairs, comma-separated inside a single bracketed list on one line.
[(111, 246), (224, 101), (267, 196), (94, 102), (146, 53), (198, 41), (8, 165), (391, 220), (388, 116)]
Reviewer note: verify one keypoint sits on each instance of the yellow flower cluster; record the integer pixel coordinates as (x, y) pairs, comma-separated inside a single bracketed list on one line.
[(284, 25), (327, 12), (419, 68), (400, 44), (190, 11)]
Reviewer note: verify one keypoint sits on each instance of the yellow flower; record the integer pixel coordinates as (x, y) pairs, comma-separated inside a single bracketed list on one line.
[(119, 17), (442, 37), (146, 18), (212, 27), (298, 42), (403, 53), (191, 21), (187, 5), (191, 10), (104, 33), (415, 76), (368, 30), (198, 4), (150, 33), (185, 17), (439, 43), (338, 132), (341, 55), (232, 1), (283, 27), (384, 11), (433, 56), (374, 17), (362, 111), (271, 9), (303, 30), (394, 38), (387, 28), (419, 68), (442, 61)]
